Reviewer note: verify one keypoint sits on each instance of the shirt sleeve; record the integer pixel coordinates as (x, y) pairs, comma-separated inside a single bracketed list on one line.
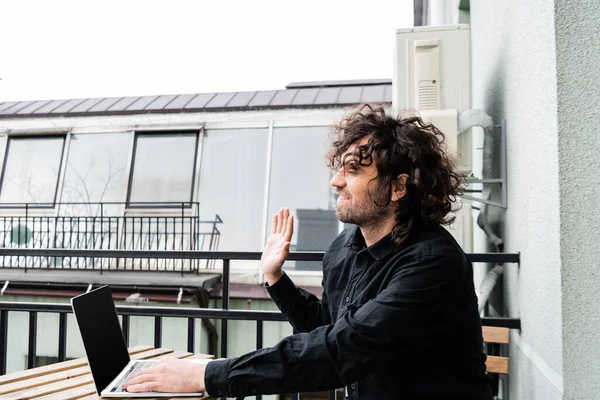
[(419, 303), (302, 309)]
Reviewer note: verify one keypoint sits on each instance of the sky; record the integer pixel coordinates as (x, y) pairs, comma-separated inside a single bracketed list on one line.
[(63, 49)]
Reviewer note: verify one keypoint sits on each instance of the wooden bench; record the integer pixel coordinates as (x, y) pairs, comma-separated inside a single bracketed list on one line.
[(496, 341)]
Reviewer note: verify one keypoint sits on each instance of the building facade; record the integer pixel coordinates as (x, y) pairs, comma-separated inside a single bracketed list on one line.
[(534, 64)]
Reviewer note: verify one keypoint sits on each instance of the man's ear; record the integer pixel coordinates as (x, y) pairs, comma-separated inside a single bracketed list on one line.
[(399, 187)]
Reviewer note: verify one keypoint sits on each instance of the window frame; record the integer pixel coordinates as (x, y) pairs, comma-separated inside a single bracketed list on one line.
[(9, 138), (163, 205)]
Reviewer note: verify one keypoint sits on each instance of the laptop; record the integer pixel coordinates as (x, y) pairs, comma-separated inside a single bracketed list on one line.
[(105, 346)]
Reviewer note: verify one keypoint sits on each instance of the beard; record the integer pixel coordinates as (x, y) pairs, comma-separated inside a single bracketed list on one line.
[(364, 214)]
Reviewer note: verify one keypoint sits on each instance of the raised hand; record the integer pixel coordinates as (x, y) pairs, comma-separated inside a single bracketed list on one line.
[(278, 246)]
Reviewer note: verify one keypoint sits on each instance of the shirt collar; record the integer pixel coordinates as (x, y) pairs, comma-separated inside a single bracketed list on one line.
[(378, 250)]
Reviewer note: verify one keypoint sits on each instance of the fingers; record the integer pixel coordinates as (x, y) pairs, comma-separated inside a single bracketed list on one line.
[(140, 380), (143, 387), (279, 221), (289, 228), (283, 223)]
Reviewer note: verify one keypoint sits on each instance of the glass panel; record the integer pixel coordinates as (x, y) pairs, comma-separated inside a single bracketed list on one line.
[(96, 172), (163, 168), (232, 185), (300, 181), (31, 170)]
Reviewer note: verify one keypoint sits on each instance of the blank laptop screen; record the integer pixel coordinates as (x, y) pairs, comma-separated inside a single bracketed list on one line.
[(101, 335)]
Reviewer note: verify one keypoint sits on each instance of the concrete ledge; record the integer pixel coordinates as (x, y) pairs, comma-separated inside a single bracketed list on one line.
[(113, 278)]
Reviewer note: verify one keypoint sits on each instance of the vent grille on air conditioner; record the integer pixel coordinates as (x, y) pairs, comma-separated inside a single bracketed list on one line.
[(428, 96)]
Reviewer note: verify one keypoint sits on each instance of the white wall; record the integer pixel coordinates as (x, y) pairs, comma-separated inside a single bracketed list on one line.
[(514, 77), (578, 76)]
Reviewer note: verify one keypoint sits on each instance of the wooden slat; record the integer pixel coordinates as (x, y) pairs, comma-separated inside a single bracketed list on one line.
[(151, 354), (95, 397), (43, 380), (72, 394), (47, 385), (201, 356), (89, 390), (497, 365), (492, 334), (175, 354), (50, 388), (57, 367), (175, 398)]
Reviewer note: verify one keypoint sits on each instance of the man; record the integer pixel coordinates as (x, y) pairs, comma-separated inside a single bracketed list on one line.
[(398, 316)]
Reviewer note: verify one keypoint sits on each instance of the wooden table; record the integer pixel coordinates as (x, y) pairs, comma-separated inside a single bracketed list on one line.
[(72, 379)]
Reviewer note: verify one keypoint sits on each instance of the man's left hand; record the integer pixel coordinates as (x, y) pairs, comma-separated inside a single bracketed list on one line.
[(175, 376)]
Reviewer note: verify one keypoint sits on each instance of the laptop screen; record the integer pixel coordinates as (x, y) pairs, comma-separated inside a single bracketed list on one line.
[(101, 335)]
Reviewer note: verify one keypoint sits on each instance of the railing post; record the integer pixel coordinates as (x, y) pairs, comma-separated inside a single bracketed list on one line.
[(62, 337), (125, 328), (182, 233), (259, 334), (19, 232), (102, 235), (32, 349), (157, 332), (225, 306), (3, 340), (190, 335)]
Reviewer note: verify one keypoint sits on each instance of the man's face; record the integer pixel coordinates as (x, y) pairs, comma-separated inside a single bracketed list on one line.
[(353, 183)]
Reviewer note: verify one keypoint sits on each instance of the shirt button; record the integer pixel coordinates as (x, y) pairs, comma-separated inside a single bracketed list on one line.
[(219, 393), (254, 391), (348, 299), (353, 386)]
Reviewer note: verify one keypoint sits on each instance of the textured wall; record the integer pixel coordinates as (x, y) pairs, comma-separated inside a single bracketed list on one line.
[(514, 77), (578, 77)]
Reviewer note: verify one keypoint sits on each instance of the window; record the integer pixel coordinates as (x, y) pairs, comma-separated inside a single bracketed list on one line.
[(163, 167), (232, 184), (96, 172), (300, 181), (31, 169)]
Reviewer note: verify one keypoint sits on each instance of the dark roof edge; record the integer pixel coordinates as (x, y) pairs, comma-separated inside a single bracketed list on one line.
[(342, 83), (180, 111)]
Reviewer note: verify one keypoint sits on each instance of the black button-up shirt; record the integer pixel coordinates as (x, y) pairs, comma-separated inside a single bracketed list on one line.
[(394, 322)]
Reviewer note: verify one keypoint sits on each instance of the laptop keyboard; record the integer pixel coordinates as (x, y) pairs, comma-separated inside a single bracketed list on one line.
[(135, 368)]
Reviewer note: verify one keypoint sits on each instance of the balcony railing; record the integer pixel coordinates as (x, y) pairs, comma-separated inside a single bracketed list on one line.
[(224, 314), (98, 226)]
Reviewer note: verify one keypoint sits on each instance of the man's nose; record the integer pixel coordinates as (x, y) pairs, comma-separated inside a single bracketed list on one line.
[(338, 180)]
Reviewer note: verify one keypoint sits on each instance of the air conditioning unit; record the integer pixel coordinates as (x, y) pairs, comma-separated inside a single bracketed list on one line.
[(432, 78)]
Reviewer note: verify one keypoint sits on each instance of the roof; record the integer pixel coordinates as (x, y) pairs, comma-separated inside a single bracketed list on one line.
[(322, 94)]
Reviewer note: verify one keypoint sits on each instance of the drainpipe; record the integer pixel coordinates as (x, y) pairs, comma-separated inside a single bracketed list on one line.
[(203, 298), (420, 12), (467, 120)]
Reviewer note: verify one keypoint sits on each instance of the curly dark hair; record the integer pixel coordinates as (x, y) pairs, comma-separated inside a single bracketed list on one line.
[(402, 146)]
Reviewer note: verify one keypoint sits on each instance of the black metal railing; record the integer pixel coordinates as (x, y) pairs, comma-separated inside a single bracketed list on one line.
[(108, 226), (224, 314)]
